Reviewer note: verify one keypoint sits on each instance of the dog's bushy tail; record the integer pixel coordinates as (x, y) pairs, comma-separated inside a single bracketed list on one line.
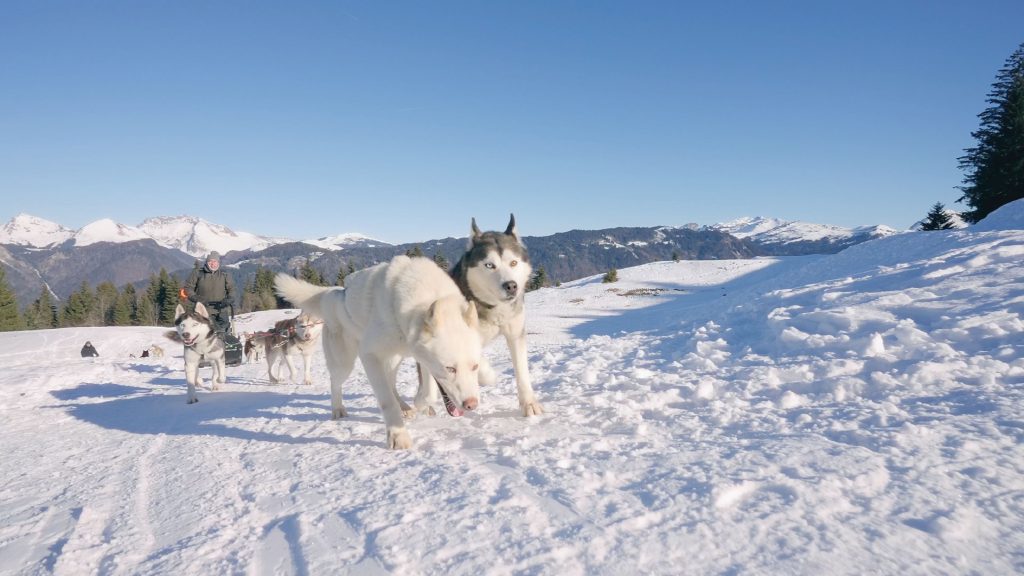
[(301, 294), (173, 335)]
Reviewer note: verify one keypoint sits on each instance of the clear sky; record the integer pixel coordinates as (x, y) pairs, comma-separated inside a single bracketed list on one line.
[(401, 120)]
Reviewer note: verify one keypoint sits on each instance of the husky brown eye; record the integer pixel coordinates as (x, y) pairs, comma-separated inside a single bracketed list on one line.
[(513, 263), (450, 369)]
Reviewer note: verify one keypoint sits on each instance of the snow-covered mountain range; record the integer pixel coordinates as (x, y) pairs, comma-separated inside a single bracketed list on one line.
[(189, 234), (196, 236)]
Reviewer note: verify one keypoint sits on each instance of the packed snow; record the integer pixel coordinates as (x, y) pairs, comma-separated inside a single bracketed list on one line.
[(847, 414)]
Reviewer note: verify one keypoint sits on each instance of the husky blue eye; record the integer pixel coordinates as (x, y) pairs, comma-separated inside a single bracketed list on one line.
[(490, 265), (450, 369)]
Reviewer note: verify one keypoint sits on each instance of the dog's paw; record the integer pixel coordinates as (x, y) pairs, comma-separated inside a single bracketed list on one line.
[(399, 439), (531, 408), (409, 413), (192, 400), (308, 381), (339, 413)]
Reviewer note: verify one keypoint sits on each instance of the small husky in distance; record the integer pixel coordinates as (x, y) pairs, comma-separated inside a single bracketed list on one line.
[(202, 344), (156, 351), (405, 307), (253, 345), (299, 334), (493, 274)]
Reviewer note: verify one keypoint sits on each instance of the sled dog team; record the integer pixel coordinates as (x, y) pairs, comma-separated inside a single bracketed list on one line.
[(391, 311)]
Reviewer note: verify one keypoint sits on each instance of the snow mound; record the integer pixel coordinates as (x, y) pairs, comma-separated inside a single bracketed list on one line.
[(1009, 216)]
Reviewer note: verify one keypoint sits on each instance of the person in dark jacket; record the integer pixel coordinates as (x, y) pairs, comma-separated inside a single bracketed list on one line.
[(215, 289), (89, 351)]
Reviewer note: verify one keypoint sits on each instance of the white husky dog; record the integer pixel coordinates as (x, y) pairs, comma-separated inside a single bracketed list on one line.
[(493, 274), (406, 307), (299, 334), (202, 344)]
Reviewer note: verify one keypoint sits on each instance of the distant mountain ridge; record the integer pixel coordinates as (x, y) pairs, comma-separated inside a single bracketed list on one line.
[(38, 253)]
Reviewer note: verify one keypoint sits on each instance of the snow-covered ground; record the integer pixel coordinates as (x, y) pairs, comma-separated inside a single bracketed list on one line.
[(849, 414)]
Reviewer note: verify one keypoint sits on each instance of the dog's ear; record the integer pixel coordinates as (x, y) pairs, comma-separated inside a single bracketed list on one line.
[(179, 311), (470, 314), (474, 229), (432, 321), (201, 310), (511, 230)]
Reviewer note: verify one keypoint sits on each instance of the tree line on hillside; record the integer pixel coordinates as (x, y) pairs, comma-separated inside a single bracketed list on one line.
[(106, 305)]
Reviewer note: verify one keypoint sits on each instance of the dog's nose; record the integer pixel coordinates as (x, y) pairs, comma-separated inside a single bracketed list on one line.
[(470, 403), (510, 287), (186, 336)]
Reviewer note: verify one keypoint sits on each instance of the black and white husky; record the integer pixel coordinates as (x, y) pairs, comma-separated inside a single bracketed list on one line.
[(493, 274), (202, 345)]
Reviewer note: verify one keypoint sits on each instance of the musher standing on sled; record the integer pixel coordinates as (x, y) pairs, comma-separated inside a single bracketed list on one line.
[(216, 290)]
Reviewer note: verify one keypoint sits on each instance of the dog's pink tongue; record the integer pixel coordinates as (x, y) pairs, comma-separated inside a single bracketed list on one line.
[(450, 406)]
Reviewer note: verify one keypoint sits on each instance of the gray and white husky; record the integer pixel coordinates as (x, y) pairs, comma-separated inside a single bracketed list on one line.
[(202, 345), (493, 274)]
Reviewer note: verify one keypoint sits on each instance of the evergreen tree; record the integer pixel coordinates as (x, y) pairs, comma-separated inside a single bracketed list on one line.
[(441, 261), (415, 252), (995, 166), (145, 313), (610, 276), (311, 275), (339, 280), (78, 309), (538, 280), (123, 311), (106, 297), (10, 316), (937, 219), (167, 298), (42, 313)]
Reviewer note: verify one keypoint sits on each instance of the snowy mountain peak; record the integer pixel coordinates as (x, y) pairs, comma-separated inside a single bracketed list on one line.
[(198, 237), (28, 230), (341, 241), (776, 231), (106, 230)]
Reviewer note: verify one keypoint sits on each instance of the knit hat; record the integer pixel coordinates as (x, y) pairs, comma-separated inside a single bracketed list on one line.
[(215, 256)]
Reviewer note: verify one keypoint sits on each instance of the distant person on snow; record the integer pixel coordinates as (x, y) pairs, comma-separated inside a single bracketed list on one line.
[(89, 351), (214, 288)]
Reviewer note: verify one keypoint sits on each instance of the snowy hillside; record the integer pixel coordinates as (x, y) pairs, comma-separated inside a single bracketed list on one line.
[(861, 413)]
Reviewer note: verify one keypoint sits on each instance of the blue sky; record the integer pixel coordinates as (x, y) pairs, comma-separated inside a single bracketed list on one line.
[(401, 120)]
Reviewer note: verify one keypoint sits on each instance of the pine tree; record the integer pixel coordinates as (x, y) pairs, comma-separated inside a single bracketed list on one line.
[(167, 298), (106, 297), (10, 316), (937, 219), (78, 309), (441, 261), (995, 167), (415, 252), (123, 311), (42, 313), (311, 275), (539, 280), (610, 276), (339, 280), (145, 313)]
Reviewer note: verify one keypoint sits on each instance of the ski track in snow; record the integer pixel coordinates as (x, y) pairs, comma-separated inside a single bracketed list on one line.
[(850, 414)]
